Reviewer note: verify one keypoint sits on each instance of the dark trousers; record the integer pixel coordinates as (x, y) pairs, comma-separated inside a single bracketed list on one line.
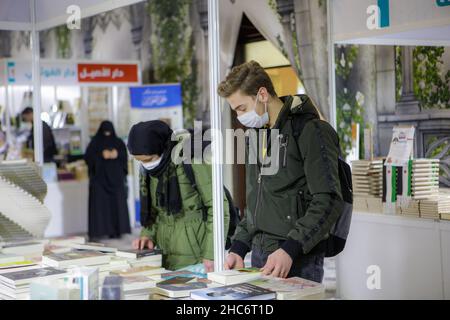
[(308, 266)]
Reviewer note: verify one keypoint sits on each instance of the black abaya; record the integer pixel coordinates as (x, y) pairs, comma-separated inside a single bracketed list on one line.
[(108, 209)]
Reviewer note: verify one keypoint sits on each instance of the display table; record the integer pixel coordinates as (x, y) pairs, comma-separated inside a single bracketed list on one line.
[(68, 203), (413, 256)]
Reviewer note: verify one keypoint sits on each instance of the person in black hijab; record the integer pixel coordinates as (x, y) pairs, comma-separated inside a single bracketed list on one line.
[(107, 160), (176, 213)]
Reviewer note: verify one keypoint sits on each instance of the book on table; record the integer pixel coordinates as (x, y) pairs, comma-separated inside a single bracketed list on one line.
[(67, 241), (16, 278), (75, 258), (10, 258), (240, 291), (139, 254), (178, 287), (228, 277), (93, 246), (135, 271), (24, 248), (291, 288)]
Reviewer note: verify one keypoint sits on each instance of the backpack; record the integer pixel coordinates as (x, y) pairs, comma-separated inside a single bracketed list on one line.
[(235, 217), (339, 232)]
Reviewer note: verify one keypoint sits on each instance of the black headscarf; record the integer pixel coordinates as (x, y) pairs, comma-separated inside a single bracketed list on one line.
[(154, 137), (110, 173)]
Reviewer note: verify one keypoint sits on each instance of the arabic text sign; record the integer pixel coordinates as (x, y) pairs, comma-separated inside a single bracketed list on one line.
[(54, 73), (112, 73), (158, 96)]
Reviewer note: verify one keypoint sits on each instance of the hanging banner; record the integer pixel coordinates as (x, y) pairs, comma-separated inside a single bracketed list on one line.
[(70, 73), (157, 102), (110, 73), (52, 73)]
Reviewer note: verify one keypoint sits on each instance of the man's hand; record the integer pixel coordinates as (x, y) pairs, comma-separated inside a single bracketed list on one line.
[(278, 264), (233, 261), (209, 265), (143, 242)]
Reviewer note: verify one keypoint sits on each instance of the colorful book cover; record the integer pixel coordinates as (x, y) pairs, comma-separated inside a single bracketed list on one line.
[(243, 291)]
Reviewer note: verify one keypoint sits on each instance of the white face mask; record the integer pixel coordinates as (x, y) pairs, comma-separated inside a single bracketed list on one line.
[(151, 165), (253, 120)]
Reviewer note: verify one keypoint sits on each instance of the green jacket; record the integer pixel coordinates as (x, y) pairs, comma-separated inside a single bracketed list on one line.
[(185, 238), (295, 208)]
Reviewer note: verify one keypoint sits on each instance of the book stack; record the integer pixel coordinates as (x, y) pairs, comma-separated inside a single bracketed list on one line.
[(292, 288), (31, 250), (242, 291), (148, 271), (26, 175), (425, 179), (23, 209), (181, 287), (411, 209), (180, 273), (112, 288), (137, 287), (67, 241), (139, 258), (229, 277), (16, 284), (435, 208), (367, 179), (93, 246), (75, 259), (11, 231)]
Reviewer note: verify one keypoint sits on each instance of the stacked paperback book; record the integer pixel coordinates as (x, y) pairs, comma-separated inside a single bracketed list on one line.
[(23, 208), (15, 284), (138, 258), (436, 208), (425, 178), (367, 178)]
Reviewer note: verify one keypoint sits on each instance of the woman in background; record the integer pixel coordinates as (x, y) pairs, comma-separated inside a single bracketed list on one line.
[(107, 160)]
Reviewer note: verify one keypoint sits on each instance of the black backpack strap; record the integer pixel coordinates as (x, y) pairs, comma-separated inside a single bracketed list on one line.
[(191, 177)]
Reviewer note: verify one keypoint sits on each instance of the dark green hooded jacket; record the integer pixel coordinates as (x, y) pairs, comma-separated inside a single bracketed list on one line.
[(185, 239), (295, 208)]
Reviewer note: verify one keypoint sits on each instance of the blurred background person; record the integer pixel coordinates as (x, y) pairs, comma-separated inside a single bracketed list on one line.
[(3, 145), (49, 144), (107, 160)]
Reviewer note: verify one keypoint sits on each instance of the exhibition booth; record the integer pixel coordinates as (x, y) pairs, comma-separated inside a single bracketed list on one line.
[(389, 256)]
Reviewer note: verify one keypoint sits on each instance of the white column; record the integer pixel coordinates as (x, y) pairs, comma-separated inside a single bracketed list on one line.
[(331, 65), (216, 126), (36, 77)]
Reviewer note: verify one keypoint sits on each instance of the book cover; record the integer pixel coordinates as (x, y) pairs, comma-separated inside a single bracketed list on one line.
[(74, 255), (243, 291), (26, 276), (137, 253)]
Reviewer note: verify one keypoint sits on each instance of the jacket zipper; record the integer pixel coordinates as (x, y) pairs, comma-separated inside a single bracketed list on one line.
[(258, 196), (259, 185), (284, 146)]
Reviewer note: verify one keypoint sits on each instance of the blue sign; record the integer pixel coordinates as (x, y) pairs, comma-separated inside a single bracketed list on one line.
[(443, 3), (156, 96), (384, 13)]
